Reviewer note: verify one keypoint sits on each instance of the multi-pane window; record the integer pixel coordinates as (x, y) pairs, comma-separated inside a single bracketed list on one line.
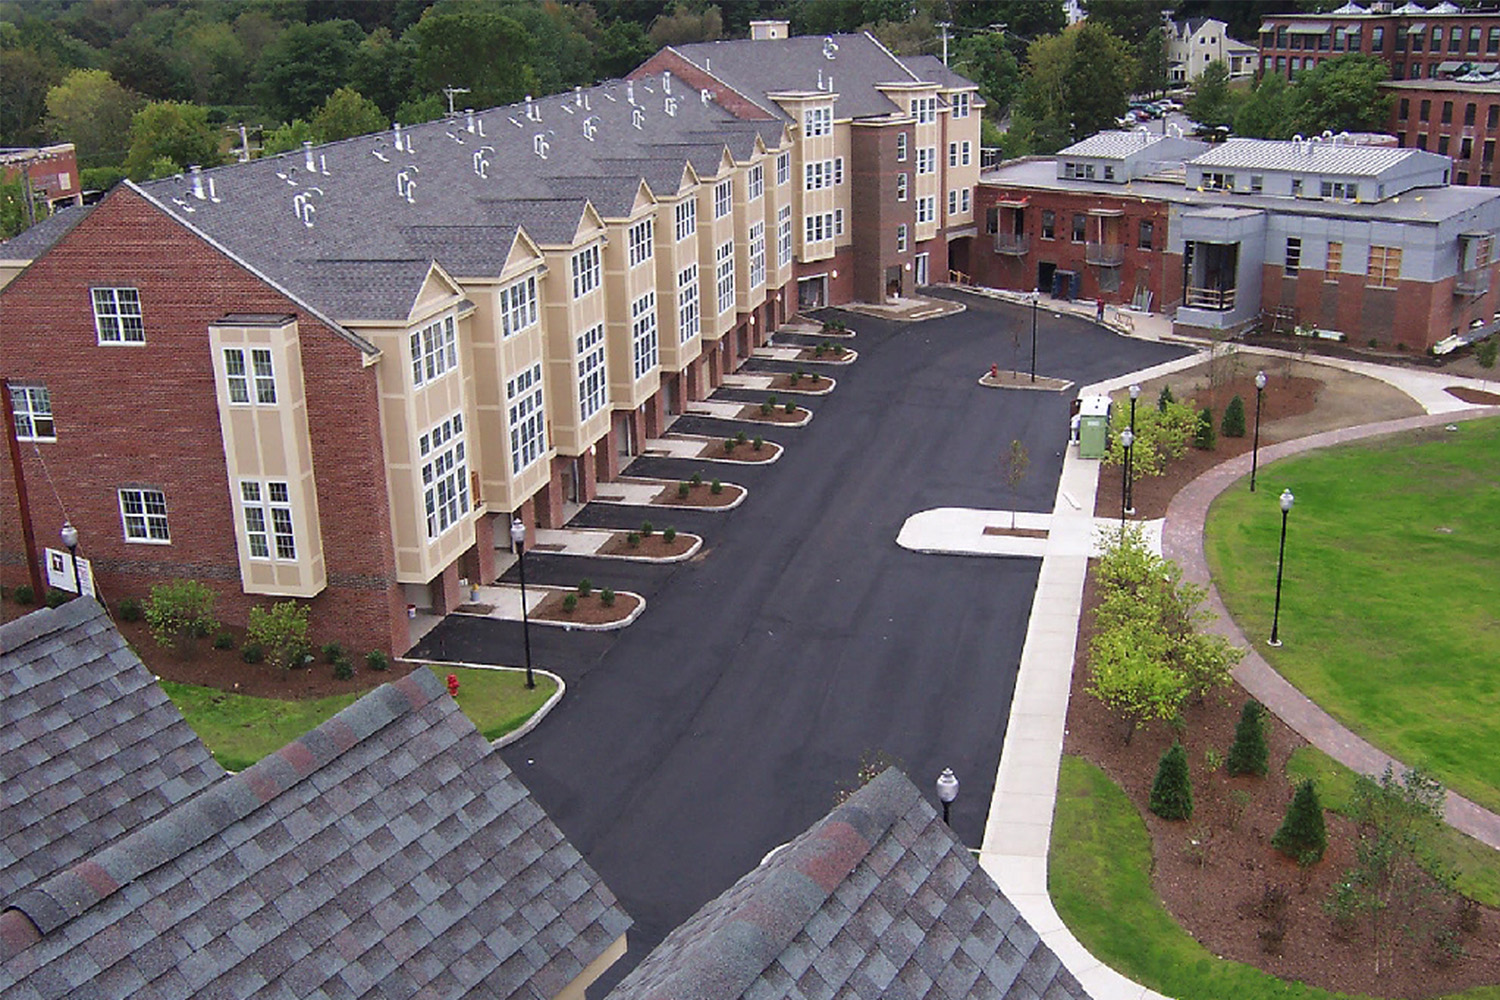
[(445, 475), (144, 512), (784, 235), (755, 180), (260, 371), (434, 351), (901, 186), (643, 339), (639, 240), (963, 199), (267, 508), (1293, 263), (817, 175), (1080, 228), (953, 202), (723, 198), (1335, 262), (901, 238), (32, 407), (1339, 189), (926, 159), (518, 308), (591, 379), (1147, 235), (962, 154), (528, 432), (585, 266), (960, 104), (117, 316), (783, 168), (925, 108), (757, 254), (823, 225), (687, 302), (724, 276), (1049, 224), (686, 217), (927, 208), (901, 143), (817, 121), (1385, 266)]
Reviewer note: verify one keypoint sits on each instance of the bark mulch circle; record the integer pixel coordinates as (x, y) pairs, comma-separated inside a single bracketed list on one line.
[(590, 609), (652, 546), (700, 495), (778, 414), (1477, 397)]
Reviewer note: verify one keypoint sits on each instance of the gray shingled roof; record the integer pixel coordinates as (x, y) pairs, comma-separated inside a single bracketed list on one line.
[(389, 852), (877, 900), (932, 68), (90, 746), (32, 243)]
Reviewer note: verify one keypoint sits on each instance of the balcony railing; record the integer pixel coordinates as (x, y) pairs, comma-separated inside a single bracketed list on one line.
[(1217, 299), (1472, 283), (1104, 254), (1015, 245)]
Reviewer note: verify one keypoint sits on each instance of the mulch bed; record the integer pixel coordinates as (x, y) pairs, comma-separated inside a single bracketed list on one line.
[(832, 353), (1214, 888), (1016, 532), (1477, 397), (778, 414), (590, 609), (1294, 396), (741, 452), (701, 495), (653, 546), (784, 383)]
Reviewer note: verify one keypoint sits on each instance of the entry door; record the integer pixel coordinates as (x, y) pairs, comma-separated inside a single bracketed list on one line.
[(920, 277), (812, 293)]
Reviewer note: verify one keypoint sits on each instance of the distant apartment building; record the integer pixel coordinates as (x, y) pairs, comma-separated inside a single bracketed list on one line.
[(1371, 244), (51, 172), (1458, 118), (1195, 43), (337, 374), (1416, 42)]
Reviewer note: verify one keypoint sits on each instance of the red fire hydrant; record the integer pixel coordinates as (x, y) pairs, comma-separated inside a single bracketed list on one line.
[(453, 685), (994, 371)]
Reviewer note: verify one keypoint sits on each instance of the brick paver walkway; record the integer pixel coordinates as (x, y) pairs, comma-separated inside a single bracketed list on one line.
[(1182, 541)]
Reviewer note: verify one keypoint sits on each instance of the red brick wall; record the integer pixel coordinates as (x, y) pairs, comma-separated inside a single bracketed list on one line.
[(147, 415), (1412, 131)]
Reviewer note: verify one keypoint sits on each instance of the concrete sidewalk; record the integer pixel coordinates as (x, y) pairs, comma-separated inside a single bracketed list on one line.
[(970, 531)]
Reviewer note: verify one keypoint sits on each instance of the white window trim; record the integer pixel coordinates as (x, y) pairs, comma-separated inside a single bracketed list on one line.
[(30, 405), (901, 238), (586, 274), (783, 169), (784, 235), (118, 316), (724, 277), (250, 379), (645, 347), (685, 219), (525, 409), (146, 516), (689, 307), (434, 351), (723, 199), (272, 531), (593, 381), (444, 461), (757, 254), (518, 306), (640, 239), (755, 183)]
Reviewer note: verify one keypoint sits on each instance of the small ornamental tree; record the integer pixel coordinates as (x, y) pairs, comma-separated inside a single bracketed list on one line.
[(1486, 351), (1302, 835), (1172, 791), (282, 633), (1205, 439), (180, 607), (1164, 399), (1233, 425), (1248, 753)]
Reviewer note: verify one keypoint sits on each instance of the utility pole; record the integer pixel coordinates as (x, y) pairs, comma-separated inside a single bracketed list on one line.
[(33, 564), (945, 25), (452, 92)]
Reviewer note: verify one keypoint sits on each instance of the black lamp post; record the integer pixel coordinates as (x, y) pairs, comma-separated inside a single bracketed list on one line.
[(1286, 508), (947, 791), (1260, 387), (1135, 393), (518, 536), (1036, 298), (1127, 438), (70, 539)]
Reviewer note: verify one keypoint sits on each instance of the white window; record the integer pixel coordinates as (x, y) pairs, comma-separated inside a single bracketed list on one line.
[(755, 182), (445, 475), (267, 510), (963, 199), (643, 339), (900, 147), (723, 198), (901, 238), (117, 316), (817, 121), (687, 219), (925, 108), (926, 159), (820, 174), (591, 380), (784, 236), (960, 104), (518, 306), (239, 376), (901, 186), (927, 208), (952, 154), (528, 432), (838, 222), (585, 271), (966, 153), (953, 202), (434, 351), (838, 170), (144, 512), (783, 168), (724, 275), (812, 228), (32, 406), (757, 255), (640, 239), (687, 304)]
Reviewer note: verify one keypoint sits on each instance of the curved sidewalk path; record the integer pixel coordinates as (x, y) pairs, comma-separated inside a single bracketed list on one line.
[(1182, 540)]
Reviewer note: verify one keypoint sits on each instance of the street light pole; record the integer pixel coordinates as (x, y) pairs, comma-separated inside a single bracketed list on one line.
[(1260, 387), (1036, 298), (947, 791), (1127, 439), (1135, 393), (1286, 508), (70, 539), (518, 536)]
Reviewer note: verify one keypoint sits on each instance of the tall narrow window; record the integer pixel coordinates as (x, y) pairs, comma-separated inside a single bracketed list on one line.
[(640, 238), (1293, 259), (518, 306), (528, 431), (585, 265), (757, 254), (783, 168), (1385, 267), (901, 186), (1335, 262), (784, 235), (724, 276), (643, 339), (686, 214), (755, 182), (687, 299), (901, 143), (267, 510), (32, 407), (591, 377), (445, 475), (723, 198)]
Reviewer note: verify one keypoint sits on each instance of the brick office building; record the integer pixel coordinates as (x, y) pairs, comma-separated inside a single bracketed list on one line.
[(1371, 244), (1457, 118)]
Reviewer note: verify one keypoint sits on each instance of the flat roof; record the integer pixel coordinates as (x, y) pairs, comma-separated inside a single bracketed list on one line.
[(1459, 86)]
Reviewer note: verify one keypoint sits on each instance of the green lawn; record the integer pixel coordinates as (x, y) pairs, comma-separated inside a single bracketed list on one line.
[(1099, 874), (1390, 611), (240, 730)]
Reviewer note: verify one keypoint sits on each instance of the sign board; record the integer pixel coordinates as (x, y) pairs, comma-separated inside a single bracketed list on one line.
[(60, 572)]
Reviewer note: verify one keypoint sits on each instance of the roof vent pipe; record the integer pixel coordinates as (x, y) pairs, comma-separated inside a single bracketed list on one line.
[(396, 127), (830, 83), (578, 96), (666, 83), (469, 115), (198, 191), (212, 196), (706, 95), (531, 110), (323, 165), (820, 77), (630, 91), (307, 155)]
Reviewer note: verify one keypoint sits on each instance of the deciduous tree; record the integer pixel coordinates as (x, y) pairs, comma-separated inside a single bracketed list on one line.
[(174, 132), (92, 111), (474, 45), (346, 114), (1212, 103), (1342, 94)]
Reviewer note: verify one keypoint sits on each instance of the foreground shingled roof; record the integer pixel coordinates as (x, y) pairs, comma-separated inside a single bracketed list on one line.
[(879, 899), (389, 852)]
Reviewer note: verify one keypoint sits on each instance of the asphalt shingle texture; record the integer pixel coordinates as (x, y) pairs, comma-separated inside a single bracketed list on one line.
[(388, 853), (877, 900)]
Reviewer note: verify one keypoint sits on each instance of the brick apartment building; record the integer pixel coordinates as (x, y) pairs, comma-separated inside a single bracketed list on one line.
[(337, 374), (1371, 244), (51, 172), (1458, 118), (1416, 42)]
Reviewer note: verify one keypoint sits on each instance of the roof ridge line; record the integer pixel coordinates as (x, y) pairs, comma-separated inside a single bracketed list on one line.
[(45, 621), (72, 892)]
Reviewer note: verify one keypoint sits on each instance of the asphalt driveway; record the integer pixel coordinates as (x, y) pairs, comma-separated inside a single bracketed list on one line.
[(725, 720)]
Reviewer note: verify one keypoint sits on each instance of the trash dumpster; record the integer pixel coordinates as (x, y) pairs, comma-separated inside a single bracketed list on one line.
[(1093, 426)]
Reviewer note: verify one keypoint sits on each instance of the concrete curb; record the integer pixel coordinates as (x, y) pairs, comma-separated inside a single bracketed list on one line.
[(744, 492), (754, 420), (692, 550), (568, 626), (777, 450), (536, 717), (1042, 384)]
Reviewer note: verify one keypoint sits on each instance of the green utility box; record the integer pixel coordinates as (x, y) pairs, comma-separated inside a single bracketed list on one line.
[(1093, 426)]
